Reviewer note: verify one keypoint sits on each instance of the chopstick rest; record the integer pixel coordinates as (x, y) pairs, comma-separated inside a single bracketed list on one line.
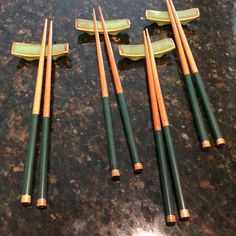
[(162, 18), (114, 27)]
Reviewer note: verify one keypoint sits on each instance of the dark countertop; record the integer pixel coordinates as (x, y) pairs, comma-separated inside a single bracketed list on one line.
[(82, 198)]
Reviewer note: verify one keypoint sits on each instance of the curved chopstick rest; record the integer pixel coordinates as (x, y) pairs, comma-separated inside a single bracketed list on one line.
[(114, 27), (31, 52), (137, 52), (162, 17)]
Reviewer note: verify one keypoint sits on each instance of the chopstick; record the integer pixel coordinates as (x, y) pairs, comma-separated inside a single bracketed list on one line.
[(138, 167), (115, 172), (183, 211), (199, 83), (189, 85), (29, 165), (43, 168), (160, 150)]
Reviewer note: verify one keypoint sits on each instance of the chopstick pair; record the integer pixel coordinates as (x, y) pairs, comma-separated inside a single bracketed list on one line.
[(185, 54), (29, 165), (162, 128), (137, 165)]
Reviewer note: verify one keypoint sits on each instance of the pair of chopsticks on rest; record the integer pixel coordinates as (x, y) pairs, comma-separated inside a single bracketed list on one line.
[(162, 128), (138, 167), (29, 165), (187, 60)]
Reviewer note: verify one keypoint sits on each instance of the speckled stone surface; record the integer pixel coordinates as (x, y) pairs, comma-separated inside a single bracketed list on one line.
[(82, 199)]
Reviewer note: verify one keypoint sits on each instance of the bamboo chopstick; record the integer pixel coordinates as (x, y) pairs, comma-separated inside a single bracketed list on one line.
[(199, 83), (183, 211), (114, 167), (138, 167), (189, 84), (29, 165), (160, 150), (43, 168)]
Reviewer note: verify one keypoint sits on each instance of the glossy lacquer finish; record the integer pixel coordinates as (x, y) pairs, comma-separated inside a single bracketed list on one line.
[(82, 198)]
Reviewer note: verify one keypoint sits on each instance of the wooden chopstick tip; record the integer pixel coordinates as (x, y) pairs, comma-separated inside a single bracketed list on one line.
[(94, 12), (45, 22), (100, 12), (148, 36), (144, 38)]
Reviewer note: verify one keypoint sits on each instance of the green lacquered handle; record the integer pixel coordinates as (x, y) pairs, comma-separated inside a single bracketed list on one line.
[(174, 168), (207, 106), (43, 168), (128, 129), (110, 134), (196, 109), (164, 176), (29, 164)]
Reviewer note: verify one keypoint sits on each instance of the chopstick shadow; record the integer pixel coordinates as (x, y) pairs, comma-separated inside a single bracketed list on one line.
[(127, 64), (153, 28), (84, 38), (23, 63), (63, 62)]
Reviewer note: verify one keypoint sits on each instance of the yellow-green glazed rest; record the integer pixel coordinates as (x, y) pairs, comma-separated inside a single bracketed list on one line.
[(114, 27), (137, 52), (162, 17), (31, 52)]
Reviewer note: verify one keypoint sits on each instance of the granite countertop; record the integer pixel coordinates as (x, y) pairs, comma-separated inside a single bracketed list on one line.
[(82, 199)]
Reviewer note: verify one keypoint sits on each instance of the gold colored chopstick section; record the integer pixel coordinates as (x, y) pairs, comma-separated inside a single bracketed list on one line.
[(39, 81), (160, 100), (115, 73), (102, 74), (153, 97), (184, 41), (47, 91)]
